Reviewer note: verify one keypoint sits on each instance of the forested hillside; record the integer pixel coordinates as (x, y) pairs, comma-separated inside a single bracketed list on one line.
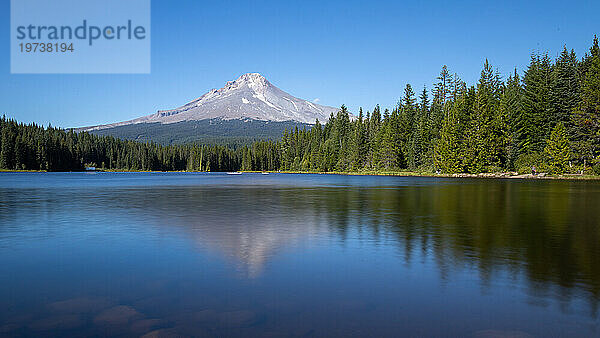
[(548, 118), (31, 147), (214, 131)]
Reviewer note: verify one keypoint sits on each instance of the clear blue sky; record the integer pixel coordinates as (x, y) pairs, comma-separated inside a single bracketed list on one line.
[(357, 53)]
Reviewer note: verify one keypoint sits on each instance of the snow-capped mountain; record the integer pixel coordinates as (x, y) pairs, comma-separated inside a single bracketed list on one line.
[(251, 96)]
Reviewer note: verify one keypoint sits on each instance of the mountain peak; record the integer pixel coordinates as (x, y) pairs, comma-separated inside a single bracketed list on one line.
[(251, 77), (253, 80), (250, 96)]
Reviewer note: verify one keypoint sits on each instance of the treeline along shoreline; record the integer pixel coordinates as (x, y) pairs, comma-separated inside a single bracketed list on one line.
[(546, 120)]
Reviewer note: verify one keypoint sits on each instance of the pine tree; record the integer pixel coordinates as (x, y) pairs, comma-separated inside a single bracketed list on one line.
[(359, 145), (424, 150), (586, 117), (424, 102), (511, 107), (316, 158), (390, 148), (246, 159), (536, 104), (447, 150), (20, 154), (565, 91), (342, 131), (7, 149), (443, 88), (374, 137), (441, 97), (404, 116), (458, 88), (557, 150), (486, 136)]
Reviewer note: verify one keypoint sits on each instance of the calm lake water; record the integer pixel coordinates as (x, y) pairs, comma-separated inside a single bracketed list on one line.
[(125, 254)]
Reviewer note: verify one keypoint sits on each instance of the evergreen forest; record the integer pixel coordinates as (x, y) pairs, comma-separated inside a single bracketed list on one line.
[(546, 119)]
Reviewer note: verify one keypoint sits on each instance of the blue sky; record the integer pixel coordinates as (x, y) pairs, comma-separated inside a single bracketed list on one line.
[(358, 53)]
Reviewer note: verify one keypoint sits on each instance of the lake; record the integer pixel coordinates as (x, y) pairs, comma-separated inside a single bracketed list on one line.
[(208, 254)]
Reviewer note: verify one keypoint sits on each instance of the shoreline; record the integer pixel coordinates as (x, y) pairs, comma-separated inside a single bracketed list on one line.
[(461, 175), (503, 175)]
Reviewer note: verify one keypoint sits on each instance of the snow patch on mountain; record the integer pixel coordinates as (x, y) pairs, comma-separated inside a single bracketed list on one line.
[(251, 96)]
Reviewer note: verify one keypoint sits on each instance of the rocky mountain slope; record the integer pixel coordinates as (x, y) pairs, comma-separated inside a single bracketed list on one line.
[(251, 96)]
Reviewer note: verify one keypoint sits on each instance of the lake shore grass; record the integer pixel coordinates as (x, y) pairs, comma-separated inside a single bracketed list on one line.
[(501, 175), (21, 171)]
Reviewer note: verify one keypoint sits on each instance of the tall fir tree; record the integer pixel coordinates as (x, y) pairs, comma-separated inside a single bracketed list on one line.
[(405, 115), (558, 150), (419, 140), (586, 117), (7, 147), (511, 107), (442, 95), (359, 143), (487, 134), (447, 150), (374, 136), (565, 89), (536, 103)]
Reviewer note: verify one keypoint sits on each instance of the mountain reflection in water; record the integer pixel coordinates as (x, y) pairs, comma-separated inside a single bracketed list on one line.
[(549, 232), (540, 237)]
